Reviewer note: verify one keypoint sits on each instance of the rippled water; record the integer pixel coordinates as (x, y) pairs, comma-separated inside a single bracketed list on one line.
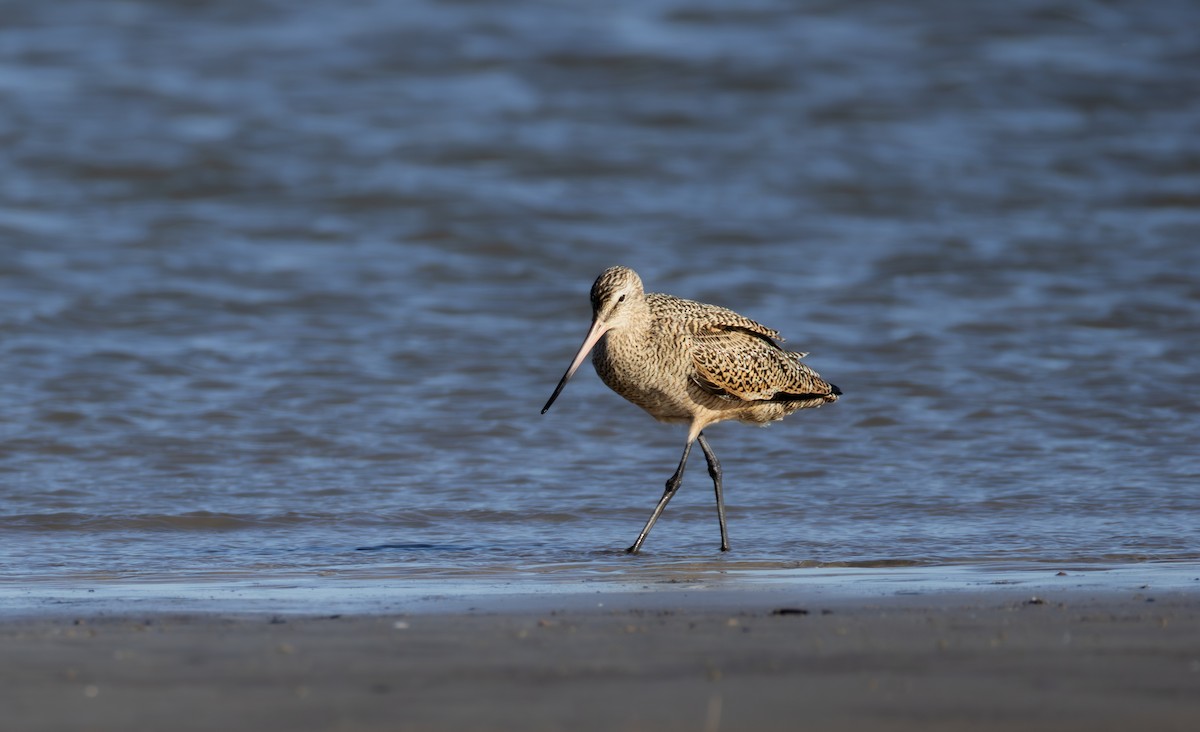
[(283, 287)]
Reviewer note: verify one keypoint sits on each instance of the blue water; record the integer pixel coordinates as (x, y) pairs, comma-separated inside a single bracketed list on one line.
[(283, 288)]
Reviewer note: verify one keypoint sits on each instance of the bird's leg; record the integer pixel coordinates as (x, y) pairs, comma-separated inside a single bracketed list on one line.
[(672, 487), (714, 470)]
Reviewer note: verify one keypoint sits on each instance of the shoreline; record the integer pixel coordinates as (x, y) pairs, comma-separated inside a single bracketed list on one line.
[(1090, 652), (653, 586)]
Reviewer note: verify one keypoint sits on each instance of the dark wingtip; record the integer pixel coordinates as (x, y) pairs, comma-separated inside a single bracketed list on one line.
[(833, 389)]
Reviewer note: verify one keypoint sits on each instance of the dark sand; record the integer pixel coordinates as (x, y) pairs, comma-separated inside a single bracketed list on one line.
[(678, 660)]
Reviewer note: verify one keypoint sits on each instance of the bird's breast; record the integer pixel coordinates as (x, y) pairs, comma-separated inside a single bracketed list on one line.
[(649, 371)]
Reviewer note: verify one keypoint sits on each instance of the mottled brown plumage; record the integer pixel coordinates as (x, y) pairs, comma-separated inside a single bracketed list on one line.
[(687, 361)]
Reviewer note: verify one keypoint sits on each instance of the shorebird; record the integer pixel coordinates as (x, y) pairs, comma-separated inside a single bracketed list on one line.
[(689, 362)]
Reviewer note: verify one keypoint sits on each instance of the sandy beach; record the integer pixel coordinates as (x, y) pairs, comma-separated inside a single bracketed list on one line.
[(679, 660)]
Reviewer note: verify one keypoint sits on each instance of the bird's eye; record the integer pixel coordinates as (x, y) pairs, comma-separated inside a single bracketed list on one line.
[(621, 298)]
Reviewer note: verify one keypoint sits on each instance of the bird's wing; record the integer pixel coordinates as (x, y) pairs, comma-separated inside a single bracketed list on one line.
[(699, 318), (710, 320), (744, 364), (736, 357)]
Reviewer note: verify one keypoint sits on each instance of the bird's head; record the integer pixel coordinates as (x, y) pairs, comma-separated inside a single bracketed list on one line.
[(613, 294), (616, 294)]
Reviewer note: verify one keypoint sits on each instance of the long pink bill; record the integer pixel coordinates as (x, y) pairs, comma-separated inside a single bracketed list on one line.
[(598, 329)]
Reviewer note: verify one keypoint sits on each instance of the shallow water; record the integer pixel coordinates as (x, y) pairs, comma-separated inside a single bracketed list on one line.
[(643, 587), (283, 289)]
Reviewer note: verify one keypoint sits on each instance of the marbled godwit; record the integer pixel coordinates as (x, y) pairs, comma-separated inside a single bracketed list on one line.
[(686, 361)]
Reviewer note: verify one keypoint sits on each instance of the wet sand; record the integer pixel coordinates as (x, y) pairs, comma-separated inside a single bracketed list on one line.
[(679, 660)]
